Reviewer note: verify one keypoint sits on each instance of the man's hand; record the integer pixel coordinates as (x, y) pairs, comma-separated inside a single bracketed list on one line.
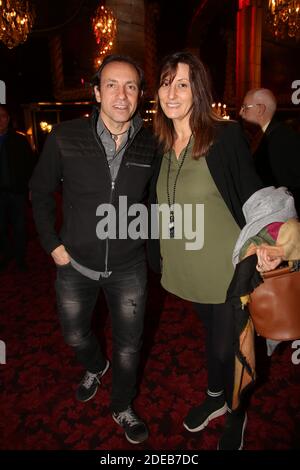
[(60, 255)]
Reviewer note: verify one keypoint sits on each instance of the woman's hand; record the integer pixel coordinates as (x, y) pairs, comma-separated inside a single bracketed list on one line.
[(268, 257)]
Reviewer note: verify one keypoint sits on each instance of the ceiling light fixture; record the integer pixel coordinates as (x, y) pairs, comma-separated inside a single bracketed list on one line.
[(284, 18), (105, 28), (16, 20)]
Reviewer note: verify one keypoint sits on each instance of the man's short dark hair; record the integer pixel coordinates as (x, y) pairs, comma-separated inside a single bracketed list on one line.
[(119, 58)]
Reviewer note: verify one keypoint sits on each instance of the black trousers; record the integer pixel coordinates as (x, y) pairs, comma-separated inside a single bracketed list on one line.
[(125, 294), (218, 320)]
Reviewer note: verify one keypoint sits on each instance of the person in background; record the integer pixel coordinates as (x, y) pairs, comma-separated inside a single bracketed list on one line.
[(99, 160), (206, 161), (277, 156), (16, 166)]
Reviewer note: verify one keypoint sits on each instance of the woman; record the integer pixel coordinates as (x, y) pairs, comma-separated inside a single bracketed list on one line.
[(206, 161)]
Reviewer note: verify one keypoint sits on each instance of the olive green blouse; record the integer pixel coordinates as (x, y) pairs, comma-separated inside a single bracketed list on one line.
[(202, 275)]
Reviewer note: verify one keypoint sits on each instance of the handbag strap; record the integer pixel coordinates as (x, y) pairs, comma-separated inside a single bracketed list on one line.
[(277, 272)]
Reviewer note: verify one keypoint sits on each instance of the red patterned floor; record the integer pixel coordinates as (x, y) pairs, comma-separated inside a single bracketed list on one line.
[(38, 408)]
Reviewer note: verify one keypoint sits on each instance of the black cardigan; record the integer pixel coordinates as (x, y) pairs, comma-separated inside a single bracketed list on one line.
[(232, 169)]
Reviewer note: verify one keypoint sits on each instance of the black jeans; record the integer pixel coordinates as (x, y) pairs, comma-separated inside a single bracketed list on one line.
[(12, 212), (125, 293), (218, 321)]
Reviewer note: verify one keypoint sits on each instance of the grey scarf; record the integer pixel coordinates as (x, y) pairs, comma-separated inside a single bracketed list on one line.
[(264, 207)]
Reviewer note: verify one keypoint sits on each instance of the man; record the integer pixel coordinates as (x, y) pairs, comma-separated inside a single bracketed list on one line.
[(98, 160), (277, 157), (16, 165)]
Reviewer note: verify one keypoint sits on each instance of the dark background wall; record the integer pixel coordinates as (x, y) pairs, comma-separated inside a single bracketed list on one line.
[(200, 25)]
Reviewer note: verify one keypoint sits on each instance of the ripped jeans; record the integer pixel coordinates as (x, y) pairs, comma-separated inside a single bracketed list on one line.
[(125, 294)]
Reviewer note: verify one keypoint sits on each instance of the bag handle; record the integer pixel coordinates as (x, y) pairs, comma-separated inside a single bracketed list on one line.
[(277, 272)]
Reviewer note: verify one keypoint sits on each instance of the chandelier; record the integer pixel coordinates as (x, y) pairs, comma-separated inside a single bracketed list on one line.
[(284, 18), (16, 20), (105, 29)]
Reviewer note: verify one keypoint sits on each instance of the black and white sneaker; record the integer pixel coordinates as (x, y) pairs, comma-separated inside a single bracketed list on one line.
[(88, 387), (233, 435), (135, 429), (199, 417)]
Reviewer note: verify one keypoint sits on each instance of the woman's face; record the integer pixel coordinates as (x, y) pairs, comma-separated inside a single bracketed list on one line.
[(176, 97)]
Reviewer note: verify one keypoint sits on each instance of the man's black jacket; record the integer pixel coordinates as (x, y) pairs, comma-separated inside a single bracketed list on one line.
[(74, 155)]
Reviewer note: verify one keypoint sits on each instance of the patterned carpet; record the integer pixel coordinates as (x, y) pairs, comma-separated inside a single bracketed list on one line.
[(38, 407)]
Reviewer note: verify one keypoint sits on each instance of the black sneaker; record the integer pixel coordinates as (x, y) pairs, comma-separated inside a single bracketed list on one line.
[(88, 387), (199, 417), (135, 429), (233, 435)]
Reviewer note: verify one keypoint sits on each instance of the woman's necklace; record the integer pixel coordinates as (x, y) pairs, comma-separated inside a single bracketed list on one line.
[(171, 204)]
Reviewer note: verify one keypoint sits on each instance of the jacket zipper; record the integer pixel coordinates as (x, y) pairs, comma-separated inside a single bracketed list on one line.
[(106, 272), (112, 188)]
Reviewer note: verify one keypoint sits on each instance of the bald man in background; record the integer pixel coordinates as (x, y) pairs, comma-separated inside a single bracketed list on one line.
[(277, 157)]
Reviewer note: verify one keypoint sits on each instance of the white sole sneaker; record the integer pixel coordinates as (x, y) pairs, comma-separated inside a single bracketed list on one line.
[(100, 376), (213, 415), (105, 368)]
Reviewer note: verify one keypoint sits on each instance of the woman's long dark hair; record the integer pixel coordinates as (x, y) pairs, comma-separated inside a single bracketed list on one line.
[(202, 118)]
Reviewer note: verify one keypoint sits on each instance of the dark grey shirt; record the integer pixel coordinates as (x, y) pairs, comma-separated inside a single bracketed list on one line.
[(114, 157)]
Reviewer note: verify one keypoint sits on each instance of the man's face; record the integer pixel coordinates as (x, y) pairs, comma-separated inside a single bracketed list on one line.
[(4, 120), (249, 110), (118, 93)]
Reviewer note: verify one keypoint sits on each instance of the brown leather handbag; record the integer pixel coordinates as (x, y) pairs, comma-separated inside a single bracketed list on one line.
[(275, 305)]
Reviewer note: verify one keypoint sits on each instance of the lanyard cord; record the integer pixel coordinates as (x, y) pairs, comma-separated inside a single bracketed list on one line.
[(171, 204)]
